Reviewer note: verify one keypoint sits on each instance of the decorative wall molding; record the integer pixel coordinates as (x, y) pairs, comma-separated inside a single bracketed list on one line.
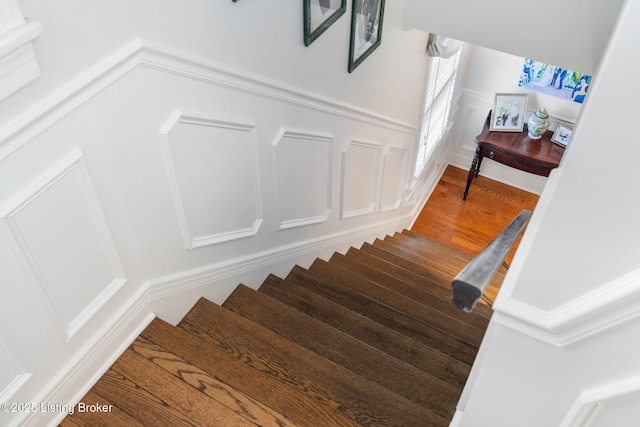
[(393, 175), (217, 150), (151, 55), (610, 305), (296, 177), (11, 362), (592, 402), (18, 64), (177, 283), (71, 181), (359, 165)]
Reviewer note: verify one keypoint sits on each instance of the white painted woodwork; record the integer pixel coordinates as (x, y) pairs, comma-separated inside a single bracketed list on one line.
[(150, 164), (390, 186), (360, 162), (302, 172), (221, 177), (210, 161)]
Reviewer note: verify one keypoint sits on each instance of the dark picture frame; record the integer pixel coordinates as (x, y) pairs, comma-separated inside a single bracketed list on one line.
[(366, 30), (320, 15)]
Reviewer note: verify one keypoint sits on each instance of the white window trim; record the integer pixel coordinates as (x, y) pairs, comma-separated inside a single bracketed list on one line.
[(446, 127)]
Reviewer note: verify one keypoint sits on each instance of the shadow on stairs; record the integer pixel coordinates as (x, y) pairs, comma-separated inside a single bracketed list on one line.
[(367, 338)]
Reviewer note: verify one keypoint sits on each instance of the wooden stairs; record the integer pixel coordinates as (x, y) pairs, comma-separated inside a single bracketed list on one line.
[(367, 338)]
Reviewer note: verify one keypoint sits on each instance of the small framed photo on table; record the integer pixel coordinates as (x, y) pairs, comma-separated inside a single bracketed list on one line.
[(508, 112), (562, 135)]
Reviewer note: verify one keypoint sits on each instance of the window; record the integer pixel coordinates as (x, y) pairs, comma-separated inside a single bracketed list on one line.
[(437, 106)]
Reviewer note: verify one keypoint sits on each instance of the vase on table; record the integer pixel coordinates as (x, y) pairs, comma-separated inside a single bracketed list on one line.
[(538, 123)]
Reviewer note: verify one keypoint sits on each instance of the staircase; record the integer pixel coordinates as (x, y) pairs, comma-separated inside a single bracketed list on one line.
[(367, 338)]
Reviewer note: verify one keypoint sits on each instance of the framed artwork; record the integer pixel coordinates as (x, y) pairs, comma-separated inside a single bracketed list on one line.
[(508, 112), (562, 135), (320, 15), (366, 30), (555, 81)]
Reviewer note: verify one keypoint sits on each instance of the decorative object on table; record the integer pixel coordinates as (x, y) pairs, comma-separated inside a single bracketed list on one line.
[(366, 30), (538, 123), (562, 135), (508, 112), (555, 81), (320, 15)]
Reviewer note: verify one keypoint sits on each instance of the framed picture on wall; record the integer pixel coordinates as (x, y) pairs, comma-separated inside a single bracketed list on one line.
[(508, 112), (320, 15), (366, 30), (562, 135)]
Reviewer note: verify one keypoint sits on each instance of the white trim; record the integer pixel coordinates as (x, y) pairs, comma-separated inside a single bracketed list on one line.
[(609, 305), (311, 136), (72, 163), (388, 149), (18, 64), (191, 241), (23, 374), (156, 56), (374, 185), (95, 358), (590, 402)]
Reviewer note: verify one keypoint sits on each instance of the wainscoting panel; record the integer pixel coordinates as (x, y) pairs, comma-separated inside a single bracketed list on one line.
[(614, 404), (213, 168), (302, 178), (393, 175), (359, 178), (60, 236), (13, 375)]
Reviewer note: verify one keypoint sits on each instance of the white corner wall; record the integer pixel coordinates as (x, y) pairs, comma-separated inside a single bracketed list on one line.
[(170, 151), (570, 33), (562, 348)]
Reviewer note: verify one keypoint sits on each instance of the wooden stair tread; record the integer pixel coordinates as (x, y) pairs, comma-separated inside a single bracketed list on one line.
[(383, 314), (368, 331), (342, 349), (408, 276), (238, 402), (279, 369), (367, 338), (427, 293), (466, 332)]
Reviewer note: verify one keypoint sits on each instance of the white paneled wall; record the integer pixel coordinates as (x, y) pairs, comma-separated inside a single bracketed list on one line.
[(302, 172), (157, 177)]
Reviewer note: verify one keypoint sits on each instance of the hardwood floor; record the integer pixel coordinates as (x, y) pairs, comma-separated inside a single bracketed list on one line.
[(470, 225)]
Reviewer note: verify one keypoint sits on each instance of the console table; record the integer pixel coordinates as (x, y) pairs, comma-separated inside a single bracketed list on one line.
[(515, 149)]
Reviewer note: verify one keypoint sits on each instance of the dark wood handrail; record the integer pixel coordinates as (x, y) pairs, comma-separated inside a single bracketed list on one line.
[(469, 285)]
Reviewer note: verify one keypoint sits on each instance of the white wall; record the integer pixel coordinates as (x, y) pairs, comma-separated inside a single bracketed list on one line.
[(562, 347), (570, 32), (169, 151)]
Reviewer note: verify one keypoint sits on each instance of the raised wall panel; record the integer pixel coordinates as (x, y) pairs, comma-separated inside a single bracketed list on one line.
[(359, 178), (13, 374), (59, 233), (614, 404), (213, 169), (302, 178), (393, 178)]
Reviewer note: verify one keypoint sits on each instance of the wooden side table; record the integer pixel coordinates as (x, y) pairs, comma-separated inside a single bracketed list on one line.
[(515, 149)]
